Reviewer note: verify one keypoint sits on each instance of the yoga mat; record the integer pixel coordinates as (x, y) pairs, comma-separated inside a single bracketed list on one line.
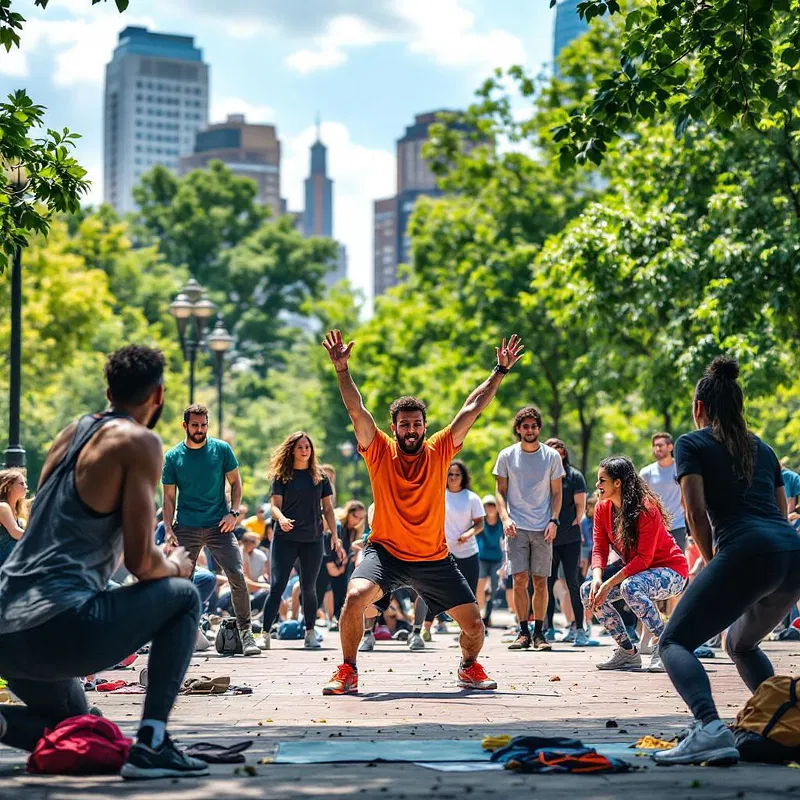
[(427, 751)]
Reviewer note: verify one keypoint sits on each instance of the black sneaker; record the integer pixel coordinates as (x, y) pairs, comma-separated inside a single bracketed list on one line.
[(167, 761), (522, 642), (540, 643)]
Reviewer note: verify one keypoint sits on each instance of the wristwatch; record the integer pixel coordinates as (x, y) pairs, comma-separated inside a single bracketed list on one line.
[(554, 520), (501, 369), (234, 513)]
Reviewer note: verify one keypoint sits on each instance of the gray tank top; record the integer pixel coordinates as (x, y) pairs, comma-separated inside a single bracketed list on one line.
[(68, 552)]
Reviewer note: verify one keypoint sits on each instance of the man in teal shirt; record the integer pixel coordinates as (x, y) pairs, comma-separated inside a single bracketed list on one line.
[(195, 473)]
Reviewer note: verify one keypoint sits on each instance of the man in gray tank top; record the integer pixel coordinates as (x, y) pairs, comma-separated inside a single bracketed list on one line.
[(94, 507)]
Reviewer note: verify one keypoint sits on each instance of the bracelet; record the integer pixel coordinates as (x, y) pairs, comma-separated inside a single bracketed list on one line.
[(501, 369)]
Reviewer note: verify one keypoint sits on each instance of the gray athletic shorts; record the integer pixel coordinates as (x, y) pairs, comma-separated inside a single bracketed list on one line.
[(529, 552)]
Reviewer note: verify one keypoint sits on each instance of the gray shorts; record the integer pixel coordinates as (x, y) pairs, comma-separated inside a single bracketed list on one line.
[(529, 552)]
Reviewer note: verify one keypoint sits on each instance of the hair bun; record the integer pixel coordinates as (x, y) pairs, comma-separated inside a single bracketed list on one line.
[(724, 367)]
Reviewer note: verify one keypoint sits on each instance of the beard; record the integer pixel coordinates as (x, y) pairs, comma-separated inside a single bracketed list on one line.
[(153, 421), (410, 448), (530, 437), (198, 438)]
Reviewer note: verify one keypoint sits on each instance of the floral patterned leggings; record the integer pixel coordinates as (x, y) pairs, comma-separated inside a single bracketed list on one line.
[(639, 591)]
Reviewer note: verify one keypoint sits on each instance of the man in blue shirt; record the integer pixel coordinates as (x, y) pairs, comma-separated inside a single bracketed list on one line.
[(791, 482), (195, 473)]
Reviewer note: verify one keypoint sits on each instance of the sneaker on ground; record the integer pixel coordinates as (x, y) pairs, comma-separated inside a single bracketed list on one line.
[(441, 627), (581, 639), (522, 642), (647, 649), (550, 634), (344, 681), (622, 660), (333, 626), (475, 677), (715, 641), (167, 761), (711, 744), (655, 664), (249, 646), (401, 635), (416, 642), (264, 642), (201, 642), (570, 635), (426, 635), (367, 643), (540, 643), (311, 641)]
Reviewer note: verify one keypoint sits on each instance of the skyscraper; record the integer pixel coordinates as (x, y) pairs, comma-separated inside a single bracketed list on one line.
[(568, 25), (385, 245), (156, 99), (250, 151), (318, 214)]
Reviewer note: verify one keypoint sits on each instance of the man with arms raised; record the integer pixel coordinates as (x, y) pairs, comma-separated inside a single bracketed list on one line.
[(57, 621), (407, 545)]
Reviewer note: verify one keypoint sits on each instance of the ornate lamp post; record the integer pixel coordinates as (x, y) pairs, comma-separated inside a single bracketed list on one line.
[(219, 341), (192, 309), (17, 180)]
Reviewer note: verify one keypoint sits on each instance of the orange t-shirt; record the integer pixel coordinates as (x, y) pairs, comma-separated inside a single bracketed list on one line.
[(409, 495)]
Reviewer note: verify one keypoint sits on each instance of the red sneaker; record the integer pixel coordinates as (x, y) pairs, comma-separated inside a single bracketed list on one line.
[(344, 681), (475, 677)]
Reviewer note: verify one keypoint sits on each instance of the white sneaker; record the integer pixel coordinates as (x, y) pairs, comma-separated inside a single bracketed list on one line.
[(622, 660), (201, 643), (263, 642), (367, 643), (655, 664), (249, 646), (311, 642), (415, 642), (711, 744)]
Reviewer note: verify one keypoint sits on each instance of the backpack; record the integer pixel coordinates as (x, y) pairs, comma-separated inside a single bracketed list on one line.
[(228, 642), (555, 754), (767, 729), (83, 745), (291, 629)]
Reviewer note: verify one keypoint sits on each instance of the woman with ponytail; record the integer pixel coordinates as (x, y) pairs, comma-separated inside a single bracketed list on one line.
[(630, 520), (736, 510)]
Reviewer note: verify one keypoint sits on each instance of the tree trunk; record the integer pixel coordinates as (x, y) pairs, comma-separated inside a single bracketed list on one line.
[(587, 428)]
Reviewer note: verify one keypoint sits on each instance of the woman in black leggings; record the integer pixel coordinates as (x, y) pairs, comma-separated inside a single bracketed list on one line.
[(736, 509), (301, 494)]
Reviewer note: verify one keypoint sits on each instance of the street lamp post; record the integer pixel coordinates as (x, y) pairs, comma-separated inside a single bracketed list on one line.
[(191, 305), (17, 180), (350, 456), (219, 341)]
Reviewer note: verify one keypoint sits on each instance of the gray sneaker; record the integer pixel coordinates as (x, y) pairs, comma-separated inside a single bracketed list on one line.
[(249, 646), (655, 664), (622, 660), (311, 642), (415, 642), (706, 744), (367, 643)]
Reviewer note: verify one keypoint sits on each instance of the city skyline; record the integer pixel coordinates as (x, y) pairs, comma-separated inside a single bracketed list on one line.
[(366, 67)]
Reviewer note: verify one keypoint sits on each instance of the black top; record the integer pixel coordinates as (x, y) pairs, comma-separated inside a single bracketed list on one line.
[(302, 502), (573, 483), (744, 517)]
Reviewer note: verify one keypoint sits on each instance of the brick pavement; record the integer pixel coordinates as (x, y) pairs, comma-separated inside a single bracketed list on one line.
[(407, 695)]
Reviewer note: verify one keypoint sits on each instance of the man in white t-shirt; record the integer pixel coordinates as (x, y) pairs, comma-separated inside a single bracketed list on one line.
[(662, 477), (529, 477)]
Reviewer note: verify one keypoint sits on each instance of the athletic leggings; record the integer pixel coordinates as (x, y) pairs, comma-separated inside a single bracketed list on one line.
[(751, 593), (488, 569), (337, 584), (43, 664), (638, 591), (570, 556), (283, 555)]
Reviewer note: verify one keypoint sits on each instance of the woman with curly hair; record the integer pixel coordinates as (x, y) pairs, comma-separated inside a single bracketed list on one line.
[(13, 490), (630, 520), (301, 494)]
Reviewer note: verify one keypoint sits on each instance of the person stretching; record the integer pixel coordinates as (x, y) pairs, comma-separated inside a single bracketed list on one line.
[(407, 543), (631, 520), (735, 504)]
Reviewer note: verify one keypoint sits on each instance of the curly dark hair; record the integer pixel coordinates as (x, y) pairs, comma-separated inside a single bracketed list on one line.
[(466, 480), (557, 443), (636, 497), (198, 409), (133, 372), (281, 465), (528, 412), (407, 403), (720, 392)]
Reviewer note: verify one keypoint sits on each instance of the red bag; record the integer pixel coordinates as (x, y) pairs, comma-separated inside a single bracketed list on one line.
[(84, 745)]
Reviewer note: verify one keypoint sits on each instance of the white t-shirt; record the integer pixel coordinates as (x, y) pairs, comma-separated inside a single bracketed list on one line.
[(256, 563), (664, 482), (461, 509)]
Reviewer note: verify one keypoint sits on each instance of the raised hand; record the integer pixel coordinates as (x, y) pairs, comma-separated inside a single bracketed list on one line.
[(339, 354), (509, 353)]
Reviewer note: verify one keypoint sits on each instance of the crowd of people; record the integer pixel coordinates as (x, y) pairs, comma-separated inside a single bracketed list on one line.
[(701, 542)]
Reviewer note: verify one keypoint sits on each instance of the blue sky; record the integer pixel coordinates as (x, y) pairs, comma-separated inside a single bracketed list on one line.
[(366, 66)]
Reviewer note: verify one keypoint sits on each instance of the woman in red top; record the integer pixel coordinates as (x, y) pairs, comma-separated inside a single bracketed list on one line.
[(630, 520)]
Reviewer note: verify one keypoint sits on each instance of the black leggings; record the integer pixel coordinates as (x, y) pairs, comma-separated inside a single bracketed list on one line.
[(570, 556), (43, 664), (751, 593), (337, 584), (283, 554), (470, 568)]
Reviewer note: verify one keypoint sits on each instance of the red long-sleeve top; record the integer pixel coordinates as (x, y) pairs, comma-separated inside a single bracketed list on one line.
[(655, 547)]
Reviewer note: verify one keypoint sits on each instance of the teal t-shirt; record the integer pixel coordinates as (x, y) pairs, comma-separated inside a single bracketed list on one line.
[(200, 478)]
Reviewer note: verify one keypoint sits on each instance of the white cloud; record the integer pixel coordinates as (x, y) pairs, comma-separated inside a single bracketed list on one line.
[(360, 175), (254, 113), (329, 50)]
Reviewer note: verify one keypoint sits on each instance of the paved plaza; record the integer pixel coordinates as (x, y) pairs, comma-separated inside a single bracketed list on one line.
[(413, 696)]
